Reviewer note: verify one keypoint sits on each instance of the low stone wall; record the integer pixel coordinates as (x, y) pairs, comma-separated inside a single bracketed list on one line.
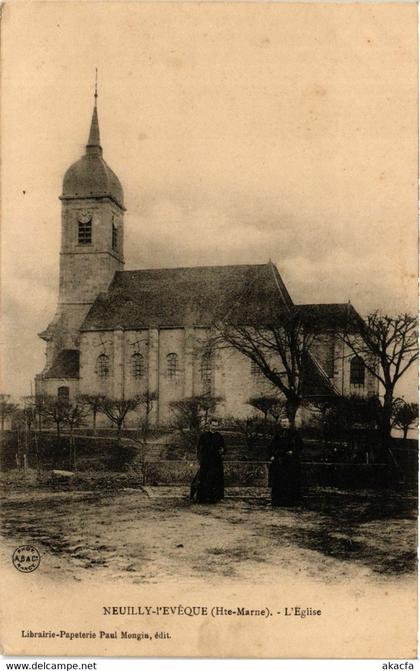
[(255, 474), (161, 464), (346, 476), (237, 473)]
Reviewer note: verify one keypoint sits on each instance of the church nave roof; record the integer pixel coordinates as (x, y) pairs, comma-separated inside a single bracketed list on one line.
[(177, 297)]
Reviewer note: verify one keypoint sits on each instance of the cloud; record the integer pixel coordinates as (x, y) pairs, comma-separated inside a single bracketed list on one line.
[(224, 156), (341, 276), (319, 262), (27, 308)]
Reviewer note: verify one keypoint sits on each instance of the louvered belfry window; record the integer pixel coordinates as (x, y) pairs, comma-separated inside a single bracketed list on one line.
[(114, 237), (85, 233)]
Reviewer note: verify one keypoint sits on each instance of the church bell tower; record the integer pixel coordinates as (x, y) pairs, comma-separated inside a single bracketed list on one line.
[(92, 241)]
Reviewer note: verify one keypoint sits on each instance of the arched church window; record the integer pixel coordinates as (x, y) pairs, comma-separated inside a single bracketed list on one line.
[(255, 370), (85, 232), (172, 364), (102, 366), (63, 394), (206, 368), (137, 365), (357, 371)]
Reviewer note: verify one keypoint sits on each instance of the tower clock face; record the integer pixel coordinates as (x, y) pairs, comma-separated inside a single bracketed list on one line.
[(84, 217)]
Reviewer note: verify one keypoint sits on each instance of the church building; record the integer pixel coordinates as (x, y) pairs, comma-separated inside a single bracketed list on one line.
[(122, 332)]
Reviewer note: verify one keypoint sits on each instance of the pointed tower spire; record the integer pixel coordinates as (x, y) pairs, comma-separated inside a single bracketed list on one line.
[(94, 141)]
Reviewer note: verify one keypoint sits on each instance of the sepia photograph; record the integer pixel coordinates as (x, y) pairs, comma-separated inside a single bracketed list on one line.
[(208, 394)]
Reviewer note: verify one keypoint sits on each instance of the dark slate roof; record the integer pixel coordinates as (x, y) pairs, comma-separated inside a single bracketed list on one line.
[(315, 382), (65, 364), (329, 316), (91, 176), (179, 297)]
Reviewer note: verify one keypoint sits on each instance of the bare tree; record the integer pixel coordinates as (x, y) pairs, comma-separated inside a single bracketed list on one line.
[(29, 412), (117, 409), (53, 410), (191, 414), (208, 403), (74, 414), (25, 418), (30, 415), (272, 406), (187, 414), (250, 428), (39, 402), (94, 402), (147, 399), (388, 346), (7, 408), (280, 349), (404, 415)]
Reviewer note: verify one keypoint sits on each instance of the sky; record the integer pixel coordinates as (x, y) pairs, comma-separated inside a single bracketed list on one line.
[(240, 133)]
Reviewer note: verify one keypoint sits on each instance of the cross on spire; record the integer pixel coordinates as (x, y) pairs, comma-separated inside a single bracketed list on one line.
[(96, 85), (94, 138)]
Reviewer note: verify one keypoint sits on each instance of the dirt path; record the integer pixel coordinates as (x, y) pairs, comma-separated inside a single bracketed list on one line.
[(162, 537)]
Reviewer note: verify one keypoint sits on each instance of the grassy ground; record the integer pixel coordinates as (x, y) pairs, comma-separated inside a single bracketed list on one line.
[(152, 535)]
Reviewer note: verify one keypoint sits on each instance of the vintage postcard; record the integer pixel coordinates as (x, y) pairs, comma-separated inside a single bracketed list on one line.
[(209, 310)]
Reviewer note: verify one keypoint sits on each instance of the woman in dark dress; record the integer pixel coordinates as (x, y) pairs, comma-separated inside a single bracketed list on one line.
[(285, 475), (208, 484)]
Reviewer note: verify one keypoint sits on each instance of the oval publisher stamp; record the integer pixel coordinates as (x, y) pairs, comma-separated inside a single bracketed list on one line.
[(26, 558)]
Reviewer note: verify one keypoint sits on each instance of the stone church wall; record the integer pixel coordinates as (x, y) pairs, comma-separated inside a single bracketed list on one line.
[(323, 348), (136, 363), (241, 383), (87, 269), (50, 386), (92, 345), (335, 357), (171, 384), (233, 378), (342, 361), (80, 281)]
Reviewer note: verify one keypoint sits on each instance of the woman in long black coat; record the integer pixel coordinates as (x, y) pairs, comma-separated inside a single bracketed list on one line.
[(208, 484), (285, 472)]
